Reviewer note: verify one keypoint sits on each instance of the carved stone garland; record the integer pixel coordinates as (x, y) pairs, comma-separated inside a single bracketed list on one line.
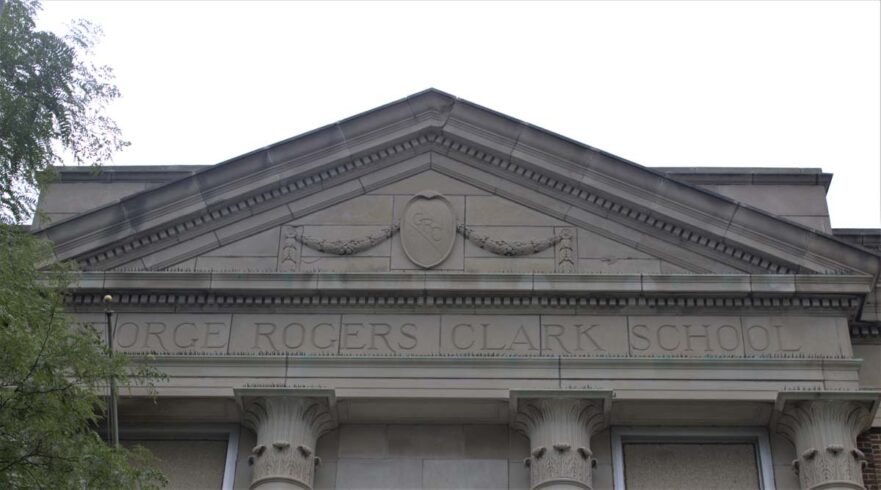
[(824, 434), (287, 430), (348, 247), (498, 247), (506, 248), (559, 432)]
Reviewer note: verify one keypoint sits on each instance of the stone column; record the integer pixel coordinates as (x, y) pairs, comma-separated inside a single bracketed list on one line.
[(824, 433), (287, 428), (559, 432)]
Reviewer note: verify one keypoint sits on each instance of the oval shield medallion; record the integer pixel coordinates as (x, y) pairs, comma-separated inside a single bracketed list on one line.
[(428, 229)]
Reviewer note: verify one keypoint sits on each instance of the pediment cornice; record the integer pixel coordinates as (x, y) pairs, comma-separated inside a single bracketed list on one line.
[(352, 151)]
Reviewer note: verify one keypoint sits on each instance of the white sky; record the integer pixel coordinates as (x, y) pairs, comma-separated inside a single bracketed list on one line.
[(778, 84)]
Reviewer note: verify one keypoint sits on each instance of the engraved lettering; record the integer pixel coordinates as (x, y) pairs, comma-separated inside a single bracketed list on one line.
[(348, 333), (689, 336), (314, 339), (375, 332), (160, 329), (260, 332), (751, 339), (641, 336), (558, 332), (486, 346), (526, 341), (192, 339), (210, 332), (291, 330), (454, 335), (735, 337), (793, 348), (136, 330), (491, 333), (585, 332), (426, 226), (404, 332), (661, 340)]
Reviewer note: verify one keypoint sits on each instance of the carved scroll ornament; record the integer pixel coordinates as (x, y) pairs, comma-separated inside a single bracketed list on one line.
[(348, 247), (508, 248)]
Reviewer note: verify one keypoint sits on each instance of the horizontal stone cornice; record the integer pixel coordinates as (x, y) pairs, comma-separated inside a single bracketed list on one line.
[(466, 361), (329, 283), (478, 378), (465, 290), (435, 293)]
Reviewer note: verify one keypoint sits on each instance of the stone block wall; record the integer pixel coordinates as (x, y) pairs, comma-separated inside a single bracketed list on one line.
[(422, 456), (869, 442)]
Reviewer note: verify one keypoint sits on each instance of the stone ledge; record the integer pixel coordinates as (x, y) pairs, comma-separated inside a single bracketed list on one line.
[(748, 175), (498, 283)]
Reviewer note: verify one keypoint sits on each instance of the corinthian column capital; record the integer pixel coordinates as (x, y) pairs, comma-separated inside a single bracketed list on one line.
[(824, 427), (559, 431), (288, 428)]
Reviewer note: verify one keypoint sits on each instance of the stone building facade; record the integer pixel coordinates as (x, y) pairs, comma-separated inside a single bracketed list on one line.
[(435, 295)]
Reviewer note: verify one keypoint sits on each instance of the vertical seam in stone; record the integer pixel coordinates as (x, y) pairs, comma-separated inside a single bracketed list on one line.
[(278, 248), (229, 334), (541, 346), (627, 323), (559, 371), (339, 341)]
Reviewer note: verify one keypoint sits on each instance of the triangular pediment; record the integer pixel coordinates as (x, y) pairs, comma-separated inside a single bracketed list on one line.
[(525, 181), (290, 247)]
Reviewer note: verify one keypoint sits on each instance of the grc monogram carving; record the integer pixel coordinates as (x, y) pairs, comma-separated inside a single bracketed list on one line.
[(428, 229)]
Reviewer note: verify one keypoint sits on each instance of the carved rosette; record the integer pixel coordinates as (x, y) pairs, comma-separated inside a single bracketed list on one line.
[(824, 434), (287, 430), (559, 432)]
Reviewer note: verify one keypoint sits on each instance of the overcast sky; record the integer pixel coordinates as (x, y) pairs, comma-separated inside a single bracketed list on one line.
[(746, 84)]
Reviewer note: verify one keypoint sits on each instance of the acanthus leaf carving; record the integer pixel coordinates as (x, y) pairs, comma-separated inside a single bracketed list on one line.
[(348, 247), (585, 452), (300, 421), (550, 422), (834, 426)]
